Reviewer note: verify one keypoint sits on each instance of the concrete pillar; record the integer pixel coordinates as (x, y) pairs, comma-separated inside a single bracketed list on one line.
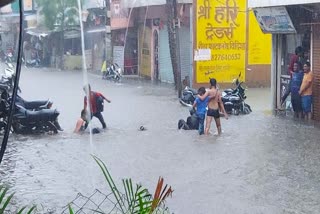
[(274, 67)]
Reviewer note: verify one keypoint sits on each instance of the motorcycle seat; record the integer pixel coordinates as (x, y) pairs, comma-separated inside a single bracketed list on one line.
[(41, 115), (36, 104), (194, 91), (234, 98)]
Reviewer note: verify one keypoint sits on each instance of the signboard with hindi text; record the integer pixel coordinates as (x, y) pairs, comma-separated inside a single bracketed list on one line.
[(221, 27)]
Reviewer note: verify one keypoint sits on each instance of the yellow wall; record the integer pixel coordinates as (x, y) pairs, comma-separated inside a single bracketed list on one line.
[(145, 51), (259, 44), (235, 40), (223, 31)]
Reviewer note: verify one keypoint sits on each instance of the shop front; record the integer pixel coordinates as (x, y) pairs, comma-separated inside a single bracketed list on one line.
[(292, 26)]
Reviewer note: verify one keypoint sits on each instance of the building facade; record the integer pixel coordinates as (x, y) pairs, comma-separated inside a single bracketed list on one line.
[(291, 24)]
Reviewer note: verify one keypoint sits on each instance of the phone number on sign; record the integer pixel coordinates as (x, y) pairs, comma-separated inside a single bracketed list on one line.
[(226, 56)]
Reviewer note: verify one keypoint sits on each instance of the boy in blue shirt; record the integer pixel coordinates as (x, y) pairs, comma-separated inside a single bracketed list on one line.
[(201, 109)]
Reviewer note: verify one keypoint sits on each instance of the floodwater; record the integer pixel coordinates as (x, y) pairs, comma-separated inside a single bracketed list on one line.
[(261, 163)]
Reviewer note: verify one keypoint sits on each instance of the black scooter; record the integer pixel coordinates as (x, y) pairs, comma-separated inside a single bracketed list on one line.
[(32, 122), (234, 99), (38, 119)]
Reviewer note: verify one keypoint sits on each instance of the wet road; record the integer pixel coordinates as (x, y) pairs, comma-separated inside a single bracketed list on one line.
[(261, 164)]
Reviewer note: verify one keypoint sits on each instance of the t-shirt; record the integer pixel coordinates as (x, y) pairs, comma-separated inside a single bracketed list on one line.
[(93, 101), (307, 78), (201, 105), (296, 82)]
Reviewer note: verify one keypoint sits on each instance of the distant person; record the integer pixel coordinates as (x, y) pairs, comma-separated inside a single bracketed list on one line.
[(306, 91), (96, 104), (298, 57), (201, 106), (214, 106), (294, 87)]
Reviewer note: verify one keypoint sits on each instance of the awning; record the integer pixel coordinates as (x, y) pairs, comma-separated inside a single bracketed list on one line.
[(99, 29), (72, 34), (38, 32)]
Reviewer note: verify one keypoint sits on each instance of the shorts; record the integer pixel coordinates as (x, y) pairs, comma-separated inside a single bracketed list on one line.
[(213, 113), (296, 102), (306, 103)]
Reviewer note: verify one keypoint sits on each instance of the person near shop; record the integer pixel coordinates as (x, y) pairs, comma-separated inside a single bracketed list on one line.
[(96, 104), (306, 91), (293, 89), (298, 57)]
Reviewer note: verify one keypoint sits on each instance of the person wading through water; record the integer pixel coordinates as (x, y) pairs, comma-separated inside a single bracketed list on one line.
[(96, 104), (214, 106)]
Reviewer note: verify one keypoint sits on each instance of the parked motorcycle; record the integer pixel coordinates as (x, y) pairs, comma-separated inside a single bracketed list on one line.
[(233, 99), (188, 96), (38, 119), (34, 105), (8, 76), (114, 72)]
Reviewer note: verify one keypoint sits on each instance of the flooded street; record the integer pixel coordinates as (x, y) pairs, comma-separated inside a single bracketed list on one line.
[(261, 163)]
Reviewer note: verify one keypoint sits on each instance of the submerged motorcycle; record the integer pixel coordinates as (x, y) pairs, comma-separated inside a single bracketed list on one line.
[(30, 122), (233, 99), (29, 117), (114, 72)]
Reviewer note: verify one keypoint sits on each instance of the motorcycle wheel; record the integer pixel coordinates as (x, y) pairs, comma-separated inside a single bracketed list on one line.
[(117, 79), (17, 128), (236, 112), (247, 106), (50, 127), (246, 110)]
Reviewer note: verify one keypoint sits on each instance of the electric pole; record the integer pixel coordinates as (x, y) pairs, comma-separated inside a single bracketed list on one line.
[(108, 47)]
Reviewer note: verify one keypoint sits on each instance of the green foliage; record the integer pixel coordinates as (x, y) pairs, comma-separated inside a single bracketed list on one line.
[(136, 199), (5, 201), (59, 13)]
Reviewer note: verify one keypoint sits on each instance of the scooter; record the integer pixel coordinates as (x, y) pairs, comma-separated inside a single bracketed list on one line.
[(188, 96), (234, 99), (114, 72)]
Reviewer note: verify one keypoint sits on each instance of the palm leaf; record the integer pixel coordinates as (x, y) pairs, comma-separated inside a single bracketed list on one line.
[(31, 209), (160, 194), (111, 184), (21, 210), (6, 203), (70, 209)]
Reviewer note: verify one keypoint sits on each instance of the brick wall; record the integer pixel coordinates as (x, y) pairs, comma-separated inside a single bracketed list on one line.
[(316, 72)]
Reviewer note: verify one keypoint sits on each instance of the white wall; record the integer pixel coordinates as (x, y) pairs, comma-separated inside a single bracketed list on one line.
[(269, 3)]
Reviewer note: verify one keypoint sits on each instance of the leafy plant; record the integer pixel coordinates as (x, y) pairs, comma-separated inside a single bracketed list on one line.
[(137, 199), (5, 201)]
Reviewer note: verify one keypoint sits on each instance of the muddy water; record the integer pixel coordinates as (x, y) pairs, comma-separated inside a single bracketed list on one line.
[(261, 163)]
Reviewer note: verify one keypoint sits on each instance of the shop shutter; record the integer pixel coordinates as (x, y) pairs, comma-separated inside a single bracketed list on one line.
[(165, 66), (316, 72), (185, 52)]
